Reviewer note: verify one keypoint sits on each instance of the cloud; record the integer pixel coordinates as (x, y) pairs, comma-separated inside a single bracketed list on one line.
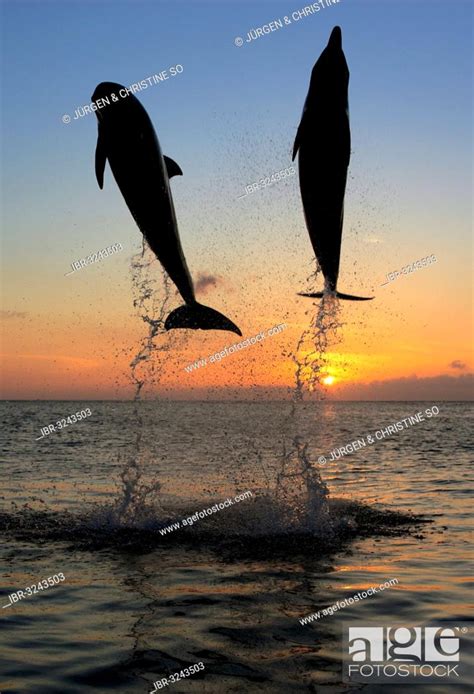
[(457, 364), (12, 314), (443, 387), (205, 281)]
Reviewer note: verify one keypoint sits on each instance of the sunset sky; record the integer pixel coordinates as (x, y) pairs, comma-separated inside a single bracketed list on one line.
[(228, 120)]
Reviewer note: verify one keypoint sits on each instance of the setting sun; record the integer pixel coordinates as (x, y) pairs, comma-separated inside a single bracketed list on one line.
[(328, 380)]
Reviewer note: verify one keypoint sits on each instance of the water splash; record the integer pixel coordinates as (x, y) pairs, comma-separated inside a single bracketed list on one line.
[(310, 357), (152, 311), (299, 484), (140, 498), (302, 492)]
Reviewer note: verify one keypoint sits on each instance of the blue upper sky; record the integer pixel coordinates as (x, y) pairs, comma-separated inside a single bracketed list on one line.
[(231, 116), (410, 64)]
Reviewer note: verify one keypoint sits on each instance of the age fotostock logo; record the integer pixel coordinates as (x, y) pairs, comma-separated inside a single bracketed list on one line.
[(401, 654)]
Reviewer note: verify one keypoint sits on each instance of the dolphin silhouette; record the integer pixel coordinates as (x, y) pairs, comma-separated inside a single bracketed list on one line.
[(128, 141), (323, 144)]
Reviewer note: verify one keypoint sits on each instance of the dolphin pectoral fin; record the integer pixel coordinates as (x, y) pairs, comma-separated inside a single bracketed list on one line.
[(299, 132), (348, 297), (197, 316), (172, 167), (100, 159), (314, 295)]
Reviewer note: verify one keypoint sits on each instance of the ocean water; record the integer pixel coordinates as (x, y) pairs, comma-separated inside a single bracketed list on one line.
[(137, 605)]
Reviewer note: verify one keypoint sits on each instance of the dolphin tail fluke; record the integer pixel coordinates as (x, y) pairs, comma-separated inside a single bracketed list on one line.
[(199, 317), (348, 297)]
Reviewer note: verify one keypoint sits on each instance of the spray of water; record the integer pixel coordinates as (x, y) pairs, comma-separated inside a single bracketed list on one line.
[(299, 484), (137, 495), (310, 357)]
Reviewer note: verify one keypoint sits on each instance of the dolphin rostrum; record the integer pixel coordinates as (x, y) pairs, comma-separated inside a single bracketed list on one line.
[(128, 141), (323, 144)]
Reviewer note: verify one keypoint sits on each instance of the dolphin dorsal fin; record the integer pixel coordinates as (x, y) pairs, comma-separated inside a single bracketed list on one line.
[(172, 167)]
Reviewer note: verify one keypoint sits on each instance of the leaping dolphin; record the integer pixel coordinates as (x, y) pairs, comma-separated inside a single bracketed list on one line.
[(128, 141), (323, 144)]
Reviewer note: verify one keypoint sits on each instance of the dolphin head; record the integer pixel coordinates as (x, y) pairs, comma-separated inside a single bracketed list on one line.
[(106, 89), (112, 95), (330, 74), (335, 40)]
